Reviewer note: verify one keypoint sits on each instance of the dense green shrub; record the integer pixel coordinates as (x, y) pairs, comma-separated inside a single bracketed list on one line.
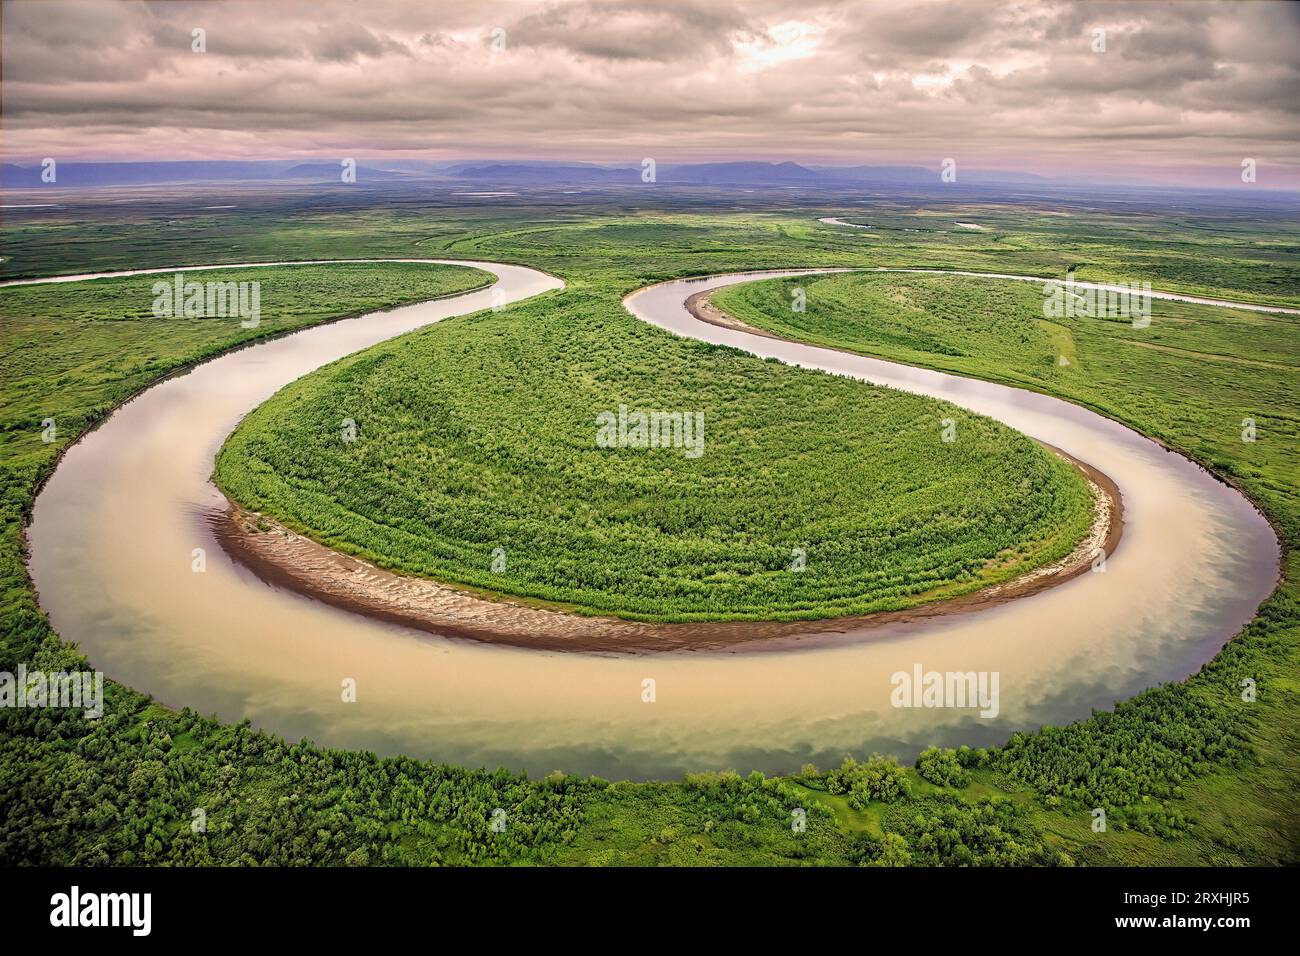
[(941, 766), (876, 778)]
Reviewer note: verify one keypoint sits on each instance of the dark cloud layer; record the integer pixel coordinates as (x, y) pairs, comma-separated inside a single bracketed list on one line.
[(1183, 91)]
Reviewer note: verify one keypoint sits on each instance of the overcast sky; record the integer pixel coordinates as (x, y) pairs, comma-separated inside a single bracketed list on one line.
[(1182, 93)]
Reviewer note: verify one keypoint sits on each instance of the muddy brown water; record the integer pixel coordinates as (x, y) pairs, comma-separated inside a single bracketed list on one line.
[(114, 529)]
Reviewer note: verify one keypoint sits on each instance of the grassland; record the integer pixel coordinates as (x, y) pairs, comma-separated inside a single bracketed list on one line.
[(73, 351), (1190, 378), (480, 433), (1190, 777)]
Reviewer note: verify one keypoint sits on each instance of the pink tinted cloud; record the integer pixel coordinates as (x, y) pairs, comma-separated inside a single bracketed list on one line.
[(1182, 92)]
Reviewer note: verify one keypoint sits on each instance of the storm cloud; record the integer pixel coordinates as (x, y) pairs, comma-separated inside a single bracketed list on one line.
[(1182, 91)]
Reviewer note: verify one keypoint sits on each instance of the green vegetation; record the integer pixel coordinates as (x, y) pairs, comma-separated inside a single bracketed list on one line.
[(949, 831), (123, 790), (1226, 254), (1187, 773), (1189, 379), (724, 818), (873, 779), (942, 766), (480, 433), (73, 351)]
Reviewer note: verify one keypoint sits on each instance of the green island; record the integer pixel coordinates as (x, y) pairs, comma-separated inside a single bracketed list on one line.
[(481, 433), (1187, 773)]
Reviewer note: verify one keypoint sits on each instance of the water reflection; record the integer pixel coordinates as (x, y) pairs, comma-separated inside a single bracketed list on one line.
[(114, 528)]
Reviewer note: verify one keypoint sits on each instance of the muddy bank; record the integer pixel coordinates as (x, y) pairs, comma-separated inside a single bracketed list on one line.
[(286, 559)]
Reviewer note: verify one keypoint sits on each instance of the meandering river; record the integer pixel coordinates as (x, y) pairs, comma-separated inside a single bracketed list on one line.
[(114, 529)]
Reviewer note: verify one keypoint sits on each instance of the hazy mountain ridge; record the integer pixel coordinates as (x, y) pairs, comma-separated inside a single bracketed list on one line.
[(742, 173), (15, 176)]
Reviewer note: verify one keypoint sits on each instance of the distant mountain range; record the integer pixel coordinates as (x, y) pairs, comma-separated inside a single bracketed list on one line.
[(721, 174), (13, 176), (922, 175), (482, 173)]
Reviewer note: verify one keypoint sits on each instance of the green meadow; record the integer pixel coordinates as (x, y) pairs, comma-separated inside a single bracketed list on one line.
[(481, 433), (72, 351), (1190, 378)]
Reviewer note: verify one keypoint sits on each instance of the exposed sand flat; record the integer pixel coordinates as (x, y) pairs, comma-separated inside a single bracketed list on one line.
[(283, 558), (832, 221)]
